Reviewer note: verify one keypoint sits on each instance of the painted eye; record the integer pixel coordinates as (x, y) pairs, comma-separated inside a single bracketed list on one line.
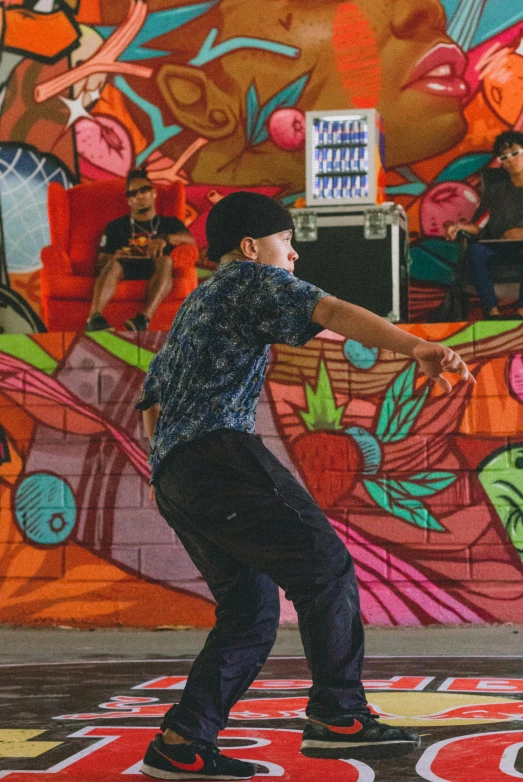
[(42, 6), (519, 463)]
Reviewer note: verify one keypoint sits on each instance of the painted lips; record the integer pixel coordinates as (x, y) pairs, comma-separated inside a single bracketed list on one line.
[(439, 72)]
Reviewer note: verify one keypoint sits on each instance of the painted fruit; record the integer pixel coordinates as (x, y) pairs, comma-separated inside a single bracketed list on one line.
[(105, 143), (447, 203), (287, 129), (329, 463)]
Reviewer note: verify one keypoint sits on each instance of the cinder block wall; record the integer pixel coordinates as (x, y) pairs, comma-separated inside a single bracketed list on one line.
[(425, 489)]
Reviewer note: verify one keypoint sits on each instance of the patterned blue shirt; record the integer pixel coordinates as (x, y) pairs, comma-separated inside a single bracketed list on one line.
[(209, 373)]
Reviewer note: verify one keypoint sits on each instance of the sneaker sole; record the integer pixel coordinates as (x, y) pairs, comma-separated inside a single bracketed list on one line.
[(364, 750), (159, 773)]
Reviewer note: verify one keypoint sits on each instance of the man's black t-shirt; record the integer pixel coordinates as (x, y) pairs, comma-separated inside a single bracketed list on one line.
[(124, 231), (502, 200)]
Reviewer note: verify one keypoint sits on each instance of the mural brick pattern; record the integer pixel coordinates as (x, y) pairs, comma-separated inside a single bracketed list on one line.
[(425, 489)]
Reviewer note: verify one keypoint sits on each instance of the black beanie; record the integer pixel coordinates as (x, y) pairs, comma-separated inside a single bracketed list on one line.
[(243, 214)]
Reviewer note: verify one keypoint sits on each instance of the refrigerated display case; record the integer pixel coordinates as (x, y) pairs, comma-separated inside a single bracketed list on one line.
[(344, 158)]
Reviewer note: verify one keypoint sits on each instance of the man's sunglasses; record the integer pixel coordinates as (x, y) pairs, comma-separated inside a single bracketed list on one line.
[(508, 155), (139, 190)]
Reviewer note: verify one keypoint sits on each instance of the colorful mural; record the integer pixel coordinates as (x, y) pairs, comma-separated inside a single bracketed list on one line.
[(424, 488), (214, 93)]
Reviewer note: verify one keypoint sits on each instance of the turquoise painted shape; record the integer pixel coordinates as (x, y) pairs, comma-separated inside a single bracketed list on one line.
[(369, 447), (45, 509), (157, 23), (358, 355)]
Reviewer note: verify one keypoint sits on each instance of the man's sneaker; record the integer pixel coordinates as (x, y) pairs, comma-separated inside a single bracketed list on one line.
[(96, 322), (356, 737), (138, 323), (197, 760)]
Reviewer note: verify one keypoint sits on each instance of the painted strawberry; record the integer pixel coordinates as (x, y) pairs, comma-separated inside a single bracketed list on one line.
[(329, 462), (332, 459)]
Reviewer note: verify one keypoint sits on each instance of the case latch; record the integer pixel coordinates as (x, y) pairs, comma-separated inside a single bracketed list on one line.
[(305, 226), (374, 224)]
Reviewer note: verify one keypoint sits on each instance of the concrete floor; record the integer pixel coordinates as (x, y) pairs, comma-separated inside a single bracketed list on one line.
[(21, 645)]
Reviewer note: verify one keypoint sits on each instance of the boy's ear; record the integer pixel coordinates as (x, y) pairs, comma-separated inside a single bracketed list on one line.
[(196, 101)]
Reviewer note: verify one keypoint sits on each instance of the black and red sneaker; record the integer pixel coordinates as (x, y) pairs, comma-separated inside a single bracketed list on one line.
[(359, 736), (196, 760)]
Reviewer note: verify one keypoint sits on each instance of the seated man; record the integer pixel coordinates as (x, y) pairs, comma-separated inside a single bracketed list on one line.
[(137, 247), (502, 205)]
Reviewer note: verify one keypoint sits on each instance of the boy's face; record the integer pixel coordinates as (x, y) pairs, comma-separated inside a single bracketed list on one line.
[(276, 250)]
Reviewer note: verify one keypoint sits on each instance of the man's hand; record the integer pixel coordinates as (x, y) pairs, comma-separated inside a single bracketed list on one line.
[(513, 234), (452, 231), (433, 359), (156, 247)]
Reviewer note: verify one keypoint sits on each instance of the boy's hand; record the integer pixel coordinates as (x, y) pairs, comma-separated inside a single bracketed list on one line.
[(433, 359)]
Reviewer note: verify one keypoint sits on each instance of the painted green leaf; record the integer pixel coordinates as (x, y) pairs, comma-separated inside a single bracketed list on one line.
[(398, 503), (400, 408), (464, 167), (322, 412), (427, 483), (253, 108), (257, 118)]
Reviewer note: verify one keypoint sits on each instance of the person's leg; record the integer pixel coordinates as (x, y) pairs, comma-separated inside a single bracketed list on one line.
[(158, 286), (242, 499), (517, 258), (247, 616), (478, 257), (105, 286)]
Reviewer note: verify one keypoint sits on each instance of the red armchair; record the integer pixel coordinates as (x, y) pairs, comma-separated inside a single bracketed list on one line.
[(77, 218)]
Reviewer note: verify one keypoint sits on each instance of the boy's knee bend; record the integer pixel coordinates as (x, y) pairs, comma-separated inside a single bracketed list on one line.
[(266, 616)]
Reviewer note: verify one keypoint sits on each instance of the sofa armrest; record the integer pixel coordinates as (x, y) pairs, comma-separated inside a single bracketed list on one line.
[(55, 261), (184, 256)]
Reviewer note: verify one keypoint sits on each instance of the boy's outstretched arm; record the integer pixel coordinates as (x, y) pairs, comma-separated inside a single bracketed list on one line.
[(371, 330)]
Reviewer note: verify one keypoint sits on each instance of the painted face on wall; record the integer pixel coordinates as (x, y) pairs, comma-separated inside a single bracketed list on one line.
[(304, 55)]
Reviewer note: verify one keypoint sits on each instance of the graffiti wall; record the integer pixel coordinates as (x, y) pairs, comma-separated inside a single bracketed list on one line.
[(214, 93), (424, 488)]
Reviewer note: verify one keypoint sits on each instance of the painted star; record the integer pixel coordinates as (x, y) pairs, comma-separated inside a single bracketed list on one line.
[(76, 109)]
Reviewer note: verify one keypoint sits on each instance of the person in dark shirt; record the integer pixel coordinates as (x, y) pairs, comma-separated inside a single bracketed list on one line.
[(137, 246), (247, 523), (498, 216)]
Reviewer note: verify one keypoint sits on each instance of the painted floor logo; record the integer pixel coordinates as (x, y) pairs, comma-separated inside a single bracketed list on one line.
[(456, 715)]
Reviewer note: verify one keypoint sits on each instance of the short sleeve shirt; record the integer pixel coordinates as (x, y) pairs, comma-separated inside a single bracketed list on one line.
[(118, 233), (502, 200), (209, 373)]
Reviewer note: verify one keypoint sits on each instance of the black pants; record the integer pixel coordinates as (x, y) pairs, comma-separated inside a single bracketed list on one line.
[(249, 526)]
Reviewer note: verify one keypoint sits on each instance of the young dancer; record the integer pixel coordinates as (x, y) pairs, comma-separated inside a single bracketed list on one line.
[(245, 521)]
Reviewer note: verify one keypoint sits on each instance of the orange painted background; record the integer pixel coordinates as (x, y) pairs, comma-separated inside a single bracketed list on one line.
[(214, 93)]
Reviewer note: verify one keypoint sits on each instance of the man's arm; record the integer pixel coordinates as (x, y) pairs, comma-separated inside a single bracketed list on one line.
[(513, 234), (180, 237), (359, 324), (150, 418), (164, 244)]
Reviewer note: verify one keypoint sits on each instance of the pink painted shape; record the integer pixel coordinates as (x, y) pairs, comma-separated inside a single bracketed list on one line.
[(287, 129), (384, 604), (105, 143), (515, 376), (390, 606), (447, 203), (18, 376)]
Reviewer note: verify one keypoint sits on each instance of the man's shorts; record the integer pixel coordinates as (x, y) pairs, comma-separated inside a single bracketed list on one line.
[(137, 268)]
